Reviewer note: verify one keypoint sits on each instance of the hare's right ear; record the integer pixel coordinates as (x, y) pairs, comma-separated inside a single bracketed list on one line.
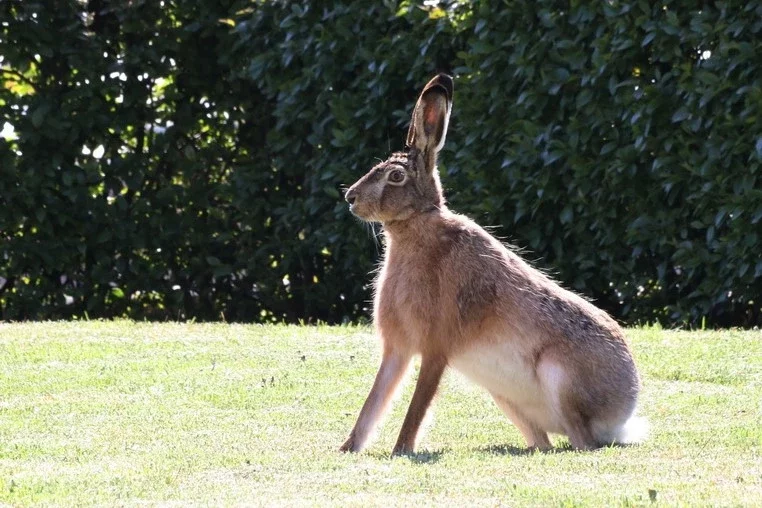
[(431, 115)]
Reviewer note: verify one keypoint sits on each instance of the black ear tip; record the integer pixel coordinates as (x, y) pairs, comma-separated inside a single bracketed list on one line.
[(445, 81), (444, 78)]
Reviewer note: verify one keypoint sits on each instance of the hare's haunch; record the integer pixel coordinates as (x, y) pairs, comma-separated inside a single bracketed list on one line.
[(451, 293)]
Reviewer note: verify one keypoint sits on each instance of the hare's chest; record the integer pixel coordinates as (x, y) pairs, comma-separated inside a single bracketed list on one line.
[(407, 302)]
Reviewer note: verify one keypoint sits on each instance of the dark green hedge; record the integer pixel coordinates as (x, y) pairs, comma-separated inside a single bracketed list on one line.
[(620, 143)]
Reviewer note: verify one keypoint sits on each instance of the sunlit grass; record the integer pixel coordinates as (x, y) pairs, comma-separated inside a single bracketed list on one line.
[(127, 413)]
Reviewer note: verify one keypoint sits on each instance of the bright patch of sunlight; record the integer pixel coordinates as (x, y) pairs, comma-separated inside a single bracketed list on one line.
[(9, 132)]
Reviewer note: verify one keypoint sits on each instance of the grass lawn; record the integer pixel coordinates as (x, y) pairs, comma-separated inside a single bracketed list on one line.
[(116, 413)]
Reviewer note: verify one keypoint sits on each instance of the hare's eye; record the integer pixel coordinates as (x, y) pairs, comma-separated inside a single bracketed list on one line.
[(396, 176)]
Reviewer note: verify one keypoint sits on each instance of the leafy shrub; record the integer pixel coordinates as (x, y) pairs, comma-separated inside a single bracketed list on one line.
[(618, 142)]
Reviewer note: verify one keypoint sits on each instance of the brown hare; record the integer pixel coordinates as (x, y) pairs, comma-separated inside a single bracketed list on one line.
[(453, 294)]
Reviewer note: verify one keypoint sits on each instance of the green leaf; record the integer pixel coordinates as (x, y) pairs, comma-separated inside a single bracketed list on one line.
[(39, 114), (550, 157), (680, 115), (222, 270), (608, 148)]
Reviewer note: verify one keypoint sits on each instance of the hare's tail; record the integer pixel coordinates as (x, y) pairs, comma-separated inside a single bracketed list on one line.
[(633, 431)]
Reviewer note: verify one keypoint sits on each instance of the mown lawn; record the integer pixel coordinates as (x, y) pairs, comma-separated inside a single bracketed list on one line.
[(123, 413)]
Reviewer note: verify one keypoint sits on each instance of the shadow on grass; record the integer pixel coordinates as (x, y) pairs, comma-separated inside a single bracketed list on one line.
[(518, 451), (425, 457), (432, 457), (422, 457), (561, 447), (505, 450)]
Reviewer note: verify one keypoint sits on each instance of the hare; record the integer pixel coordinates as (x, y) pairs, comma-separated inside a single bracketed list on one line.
[(453, 294)]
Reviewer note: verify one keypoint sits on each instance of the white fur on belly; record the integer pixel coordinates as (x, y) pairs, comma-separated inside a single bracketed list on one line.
[(505, 372)]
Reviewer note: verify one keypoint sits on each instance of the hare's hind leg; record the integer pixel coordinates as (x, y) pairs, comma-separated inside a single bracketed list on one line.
[(393, 367), (536, 437), (576, 427), (566, 402)]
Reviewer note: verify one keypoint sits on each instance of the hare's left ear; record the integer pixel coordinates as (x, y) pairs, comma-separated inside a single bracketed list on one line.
[(428, 127)]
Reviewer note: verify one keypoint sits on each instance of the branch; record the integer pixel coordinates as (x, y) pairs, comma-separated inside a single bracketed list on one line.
[(20, 77)]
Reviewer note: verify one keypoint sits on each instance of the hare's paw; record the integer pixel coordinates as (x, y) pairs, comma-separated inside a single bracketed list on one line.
[(350, 445), (403, 449)]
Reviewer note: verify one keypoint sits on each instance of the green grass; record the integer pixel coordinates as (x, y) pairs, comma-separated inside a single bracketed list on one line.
[(116, 413)]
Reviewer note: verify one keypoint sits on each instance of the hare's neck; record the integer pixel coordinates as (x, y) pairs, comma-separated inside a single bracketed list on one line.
[(418, 229)]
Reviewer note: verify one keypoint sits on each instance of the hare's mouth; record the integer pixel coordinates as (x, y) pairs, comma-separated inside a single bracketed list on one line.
[(356, 210), (362, 212)]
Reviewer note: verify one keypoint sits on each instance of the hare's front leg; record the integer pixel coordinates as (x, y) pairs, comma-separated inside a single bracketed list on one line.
[(393, 367), (432, 368)]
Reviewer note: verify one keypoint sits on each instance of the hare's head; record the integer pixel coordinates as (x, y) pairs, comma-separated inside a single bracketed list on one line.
[(407, 183)]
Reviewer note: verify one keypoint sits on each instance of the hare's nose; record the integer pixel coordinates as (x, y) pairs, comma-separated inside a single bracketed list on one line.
[(350, 196)]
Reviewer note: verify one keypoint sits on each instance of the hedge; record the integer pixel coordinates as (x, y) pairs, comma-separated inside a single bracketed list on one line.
[(185, 160)]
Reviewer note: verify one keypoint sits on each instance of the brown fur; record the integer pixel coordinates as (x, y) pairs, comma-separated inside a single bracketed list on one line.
[(451, 293)]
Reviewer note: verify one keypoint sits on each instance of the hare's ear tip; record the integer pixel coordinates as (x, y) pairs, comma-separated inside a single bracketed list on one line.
[(443, 80)]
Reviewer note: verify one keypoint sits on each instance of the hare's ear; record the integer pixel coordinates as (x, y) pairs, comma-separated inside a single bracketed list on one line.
[(431, 115)]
